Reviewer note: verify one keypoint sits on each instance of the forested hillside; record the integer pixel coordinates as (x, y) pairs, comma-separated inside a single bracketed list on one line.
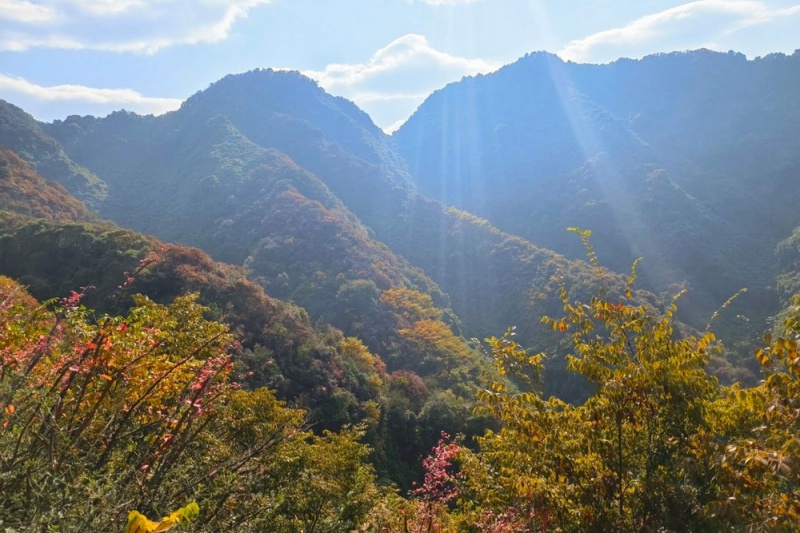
[(53, 251), (261, 312), (20, 133), (688, 160), (107, 414), (267, 170), (24, 192)]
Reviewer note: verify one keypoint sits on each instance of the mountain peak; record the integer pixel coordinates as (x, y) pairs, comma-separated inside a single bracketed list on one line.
[(260, 103), (278, 91)]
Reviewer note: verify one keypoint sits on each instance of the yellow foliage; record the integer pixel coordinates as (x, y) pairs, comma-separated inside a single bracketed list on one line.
[(138, 523), (434, 336), (354, 350), (411, 305)]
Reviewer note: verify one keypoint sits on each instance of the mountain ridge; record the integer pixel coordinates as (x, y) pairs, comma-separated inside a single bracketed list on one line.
[(265, 169), (683, 182)]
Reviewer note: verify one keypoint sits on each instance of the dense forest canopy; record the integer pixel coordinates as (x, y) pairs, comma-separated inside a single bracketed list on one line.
[(261, 312)]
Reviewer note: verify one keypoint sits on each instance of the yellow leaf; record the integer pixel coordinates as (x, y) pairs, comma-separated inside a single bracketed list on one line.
[(165, 525), (138, 523)]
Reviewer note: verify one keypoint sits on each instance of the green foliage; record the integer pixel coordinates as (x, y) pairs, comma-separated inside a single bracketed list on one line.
[(102, 408), (101, 416), (660, 444), (683, 178), (757, 467), (333, 488), (22, 134), (89, 255), (423, 343)]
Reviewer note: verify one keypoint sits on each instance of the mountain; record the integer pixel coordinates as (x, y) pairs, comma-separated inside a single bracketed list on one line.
[(352, 286), (490, 277), (267, 170), (52, 245), (23, 192), (23, 135), (194, 178), (685, 159), (42, 221)]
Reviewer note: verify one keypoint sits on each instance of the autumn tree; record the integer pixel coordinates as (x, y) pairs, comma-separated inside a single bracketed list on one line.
[(659, 445), (104, 416)]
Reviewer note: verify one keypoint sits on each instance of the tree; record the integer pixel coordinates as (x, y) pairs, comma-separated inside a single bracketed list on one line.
[(101, 416), (659, 445)]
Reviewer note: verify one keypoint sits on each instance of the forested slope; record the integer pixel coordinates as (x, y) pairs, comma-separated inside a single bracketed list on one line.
[(685, 159), (61, 248), (169, 402)]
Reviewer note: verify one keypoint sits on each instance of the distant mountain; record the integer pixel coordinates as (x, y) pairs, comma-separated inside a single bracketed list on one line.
[(493, 279), (267, 171), (21, 133), (193, 178), (50, 243), (687, 159), (23, 192)]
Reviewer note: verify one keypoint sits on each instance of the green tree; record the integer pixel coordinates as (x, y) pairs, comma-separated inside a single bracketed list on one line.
[(658, 446)]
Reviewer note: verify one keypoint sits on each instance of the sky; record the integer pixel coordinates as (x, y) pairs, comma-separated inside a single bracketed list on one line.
[(79, 57)]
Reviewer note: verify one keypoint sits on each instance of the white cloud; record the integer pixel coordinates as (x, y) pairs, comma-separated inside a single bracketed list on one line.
[(687, 26), (397, 78), (119, 25), (113, 98), (21, 42), (25, 12), (403, 62)]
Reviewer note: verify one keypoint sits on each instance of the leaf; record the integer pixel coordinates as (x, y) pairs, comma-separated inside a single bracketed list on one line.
[(762, 357), (138, 523)]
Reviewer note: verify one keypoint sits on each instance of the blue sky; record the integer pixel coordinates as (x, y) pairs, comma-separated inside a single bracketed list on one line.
[(64, 57)]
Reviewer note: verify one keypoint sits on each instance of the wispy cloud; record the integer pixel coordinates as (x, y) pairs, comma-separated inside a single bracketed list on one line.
[(25, 12), (397, 78), (402, 62), (114, 98), (691, 25), (118, 25)]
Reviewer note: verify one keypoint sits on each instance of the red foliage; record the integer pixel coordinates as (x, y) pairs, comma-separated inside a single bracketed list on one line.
[(439, 487)]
